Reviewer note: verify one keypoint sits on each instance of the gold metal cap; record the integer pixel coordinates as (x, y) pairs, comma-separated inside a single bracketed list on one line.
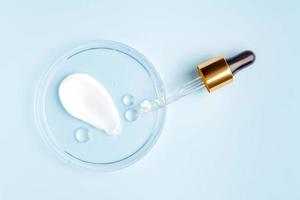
[(215, 73)]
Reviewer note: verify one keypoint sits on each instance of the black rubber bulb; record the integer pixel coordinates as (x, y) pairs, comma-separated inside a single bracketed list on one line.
[(240, 61)]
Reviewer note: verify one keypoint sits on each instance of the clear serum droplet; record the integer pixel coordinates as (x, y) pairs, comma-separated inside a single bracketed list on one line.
[(82, 135), (128, 100), (131, 115)]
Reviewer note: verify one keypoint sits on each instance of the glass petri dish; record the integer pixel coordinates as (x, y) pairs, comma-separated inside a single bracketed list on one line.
[(129, 78)]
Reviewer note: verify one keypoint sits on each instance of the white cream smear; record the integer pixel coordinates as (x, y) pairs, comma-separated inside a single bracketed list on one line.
[(84, 98)]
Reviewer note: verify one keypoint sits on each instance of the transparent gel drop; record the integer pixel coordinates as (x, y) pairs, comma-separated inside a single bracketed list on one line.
[(82, 135), (128, 100), (131, 115)]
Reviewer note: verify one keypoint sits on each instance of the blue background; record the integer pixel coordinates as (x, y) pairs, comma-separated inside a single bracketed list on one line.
[(241, 142)]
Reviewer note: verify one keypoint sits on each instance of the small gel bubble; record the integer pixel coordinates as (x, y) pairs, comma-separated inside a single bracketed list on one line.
[(82, 135), (131, 115), (128, 100)]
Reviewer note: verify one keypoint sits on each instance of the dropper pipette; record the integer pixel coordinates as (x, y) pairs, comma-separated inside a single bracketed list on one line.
[(212, 75)]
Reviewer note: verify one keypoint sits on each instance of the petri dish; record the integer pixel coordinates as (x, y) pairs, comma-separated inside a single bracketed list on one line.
[(129, 78)]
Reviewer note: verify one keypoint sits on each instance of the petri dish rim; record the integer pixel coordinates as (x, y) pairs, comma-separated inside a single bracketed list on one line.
[(41, 118)]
